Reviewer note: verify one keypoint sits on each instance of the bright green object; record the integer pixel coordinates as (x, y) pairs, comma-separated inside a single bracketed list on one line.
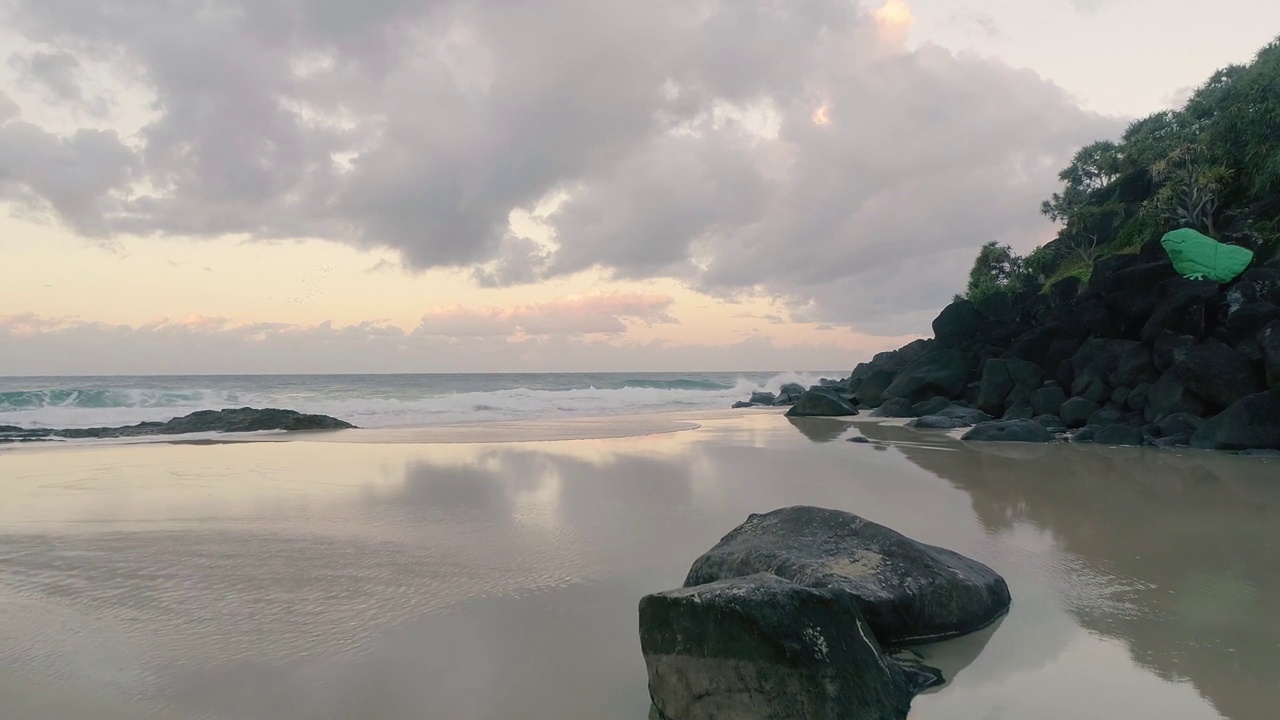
[(1199, 257)]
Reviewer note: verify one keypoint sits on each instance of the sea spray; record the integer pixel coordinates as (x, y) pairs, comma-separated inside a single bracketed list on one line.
[(378, 401)]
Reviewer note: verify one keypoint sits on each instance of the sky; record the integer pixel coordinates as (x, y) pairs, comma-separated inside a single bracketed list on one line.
[(237, 186)]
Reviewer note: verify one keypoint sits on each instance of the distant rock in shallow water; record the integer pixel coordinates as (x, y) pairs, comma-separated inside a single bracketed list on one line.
[(933, 422), (822, 402), (204, 421)]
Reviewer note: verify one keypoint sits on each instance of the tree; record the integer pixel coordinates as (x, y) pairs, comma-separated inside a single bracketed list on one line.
[(1094, 167), (1189, 188), (994, 270)]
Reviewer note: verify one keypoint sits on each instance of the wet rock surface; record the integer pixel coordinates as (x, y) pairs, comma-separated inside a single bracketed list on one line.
[(205, 421), (794, 614)]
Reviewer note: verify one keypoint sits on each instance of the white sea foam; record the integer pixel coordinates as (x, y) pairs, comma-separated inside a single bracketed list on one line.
[(397, 402)]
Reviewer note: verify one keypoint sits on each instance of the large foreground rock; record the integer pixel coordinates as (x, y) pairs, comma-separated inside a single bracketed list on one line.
[(908, 592), (763, 648), (822, 402), (1251, 423), (204, 421)]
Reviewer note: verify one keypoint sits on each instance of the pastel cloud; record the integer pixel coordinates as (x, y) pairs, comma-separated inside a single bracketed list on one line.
[(37, 345), (666, 139), (601, 313)]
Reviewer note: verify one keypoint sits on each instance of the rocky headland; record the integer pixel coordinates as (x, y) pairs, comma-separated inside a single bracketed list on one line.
[(1141, 356)]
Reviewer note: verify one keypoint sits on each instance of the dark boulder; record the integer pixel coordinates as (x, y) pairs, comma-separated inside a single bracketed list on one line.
[(1178, 424), (1065, 291), (1120, 396), (1166, 348), (1077, 411), (942, 372), (963, 414), (1110, 415), (1269, 343), (1179, 440), (1138, 398), (1035, 344), (933, 406), (1119, 435), (1135, 367), (996, 386), (860, 440), (762, 648), (934, 422), (1131, 294), (1251, 423), (822, 402), (1020, 410), (872, 388), (1255, 285), (1216, 373), (908, 592), (1168, 395), (794, 390), (1084, 435), (1025, 431), (895, 408), (1052, 423), (1095, 364), (762, 398), (742, 404), (1246, 321), (1183, 311), (1048, 400), (958, 324)]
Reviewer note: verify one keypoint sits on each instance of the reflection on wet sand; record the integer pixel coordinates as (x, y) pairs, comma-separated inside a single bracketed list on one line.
[(349, 580), (1193, 537)]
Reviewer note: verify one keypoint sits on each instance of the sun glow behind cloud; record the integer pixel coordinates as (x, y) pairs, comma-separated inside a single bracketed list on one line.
[(822, 116), (895, 14)]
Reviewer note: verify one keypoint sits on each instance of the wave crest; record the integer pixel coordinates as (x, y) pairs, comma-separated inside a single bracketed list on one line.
[(390, 402)]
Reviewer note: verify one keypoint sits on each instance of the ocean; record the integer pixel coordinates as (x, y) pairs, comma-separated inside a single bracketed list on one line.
[(378, 401)]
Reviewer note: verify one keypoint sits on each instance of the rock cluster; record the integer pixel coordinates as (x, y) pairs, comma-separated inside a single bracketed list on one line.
[(795, 614), (220, 421), (1141, 356)]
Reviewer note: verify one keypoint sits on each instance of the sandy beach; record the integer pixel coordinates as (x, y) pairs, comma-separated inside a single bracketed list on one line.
[(481, 573)]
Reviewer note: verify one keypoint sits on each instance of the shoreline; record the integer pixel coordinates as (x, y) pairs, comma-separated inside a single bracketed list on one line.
[(603, 427)]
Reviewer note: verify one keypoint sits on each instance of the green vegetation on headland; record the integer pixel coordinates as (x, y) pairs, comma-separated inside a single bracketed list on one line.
[(1213, 166)]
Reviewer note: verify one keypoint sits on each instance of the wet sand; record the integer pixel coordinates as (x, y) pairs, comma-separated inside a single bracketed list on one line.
[(364, 576)]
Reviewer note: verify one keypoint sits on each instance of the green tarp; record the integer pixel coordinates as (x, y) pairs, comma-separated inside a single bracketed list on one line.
[(1199, 257)]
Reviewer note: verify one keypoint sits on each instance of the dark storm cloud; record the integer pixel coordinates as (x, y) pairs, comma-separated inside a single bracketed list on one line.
[(421, 124)]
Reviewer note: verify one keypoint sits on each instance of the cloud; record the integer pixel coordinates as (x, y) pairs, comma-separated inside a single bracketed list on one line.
[(56, 73), (606, 313), (36, 345), (978, 20), (678, 134)]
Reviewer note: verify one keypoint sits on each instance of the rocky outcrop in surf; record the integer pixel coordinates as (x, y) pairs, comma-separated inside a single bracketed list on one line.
[(239, 420)]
